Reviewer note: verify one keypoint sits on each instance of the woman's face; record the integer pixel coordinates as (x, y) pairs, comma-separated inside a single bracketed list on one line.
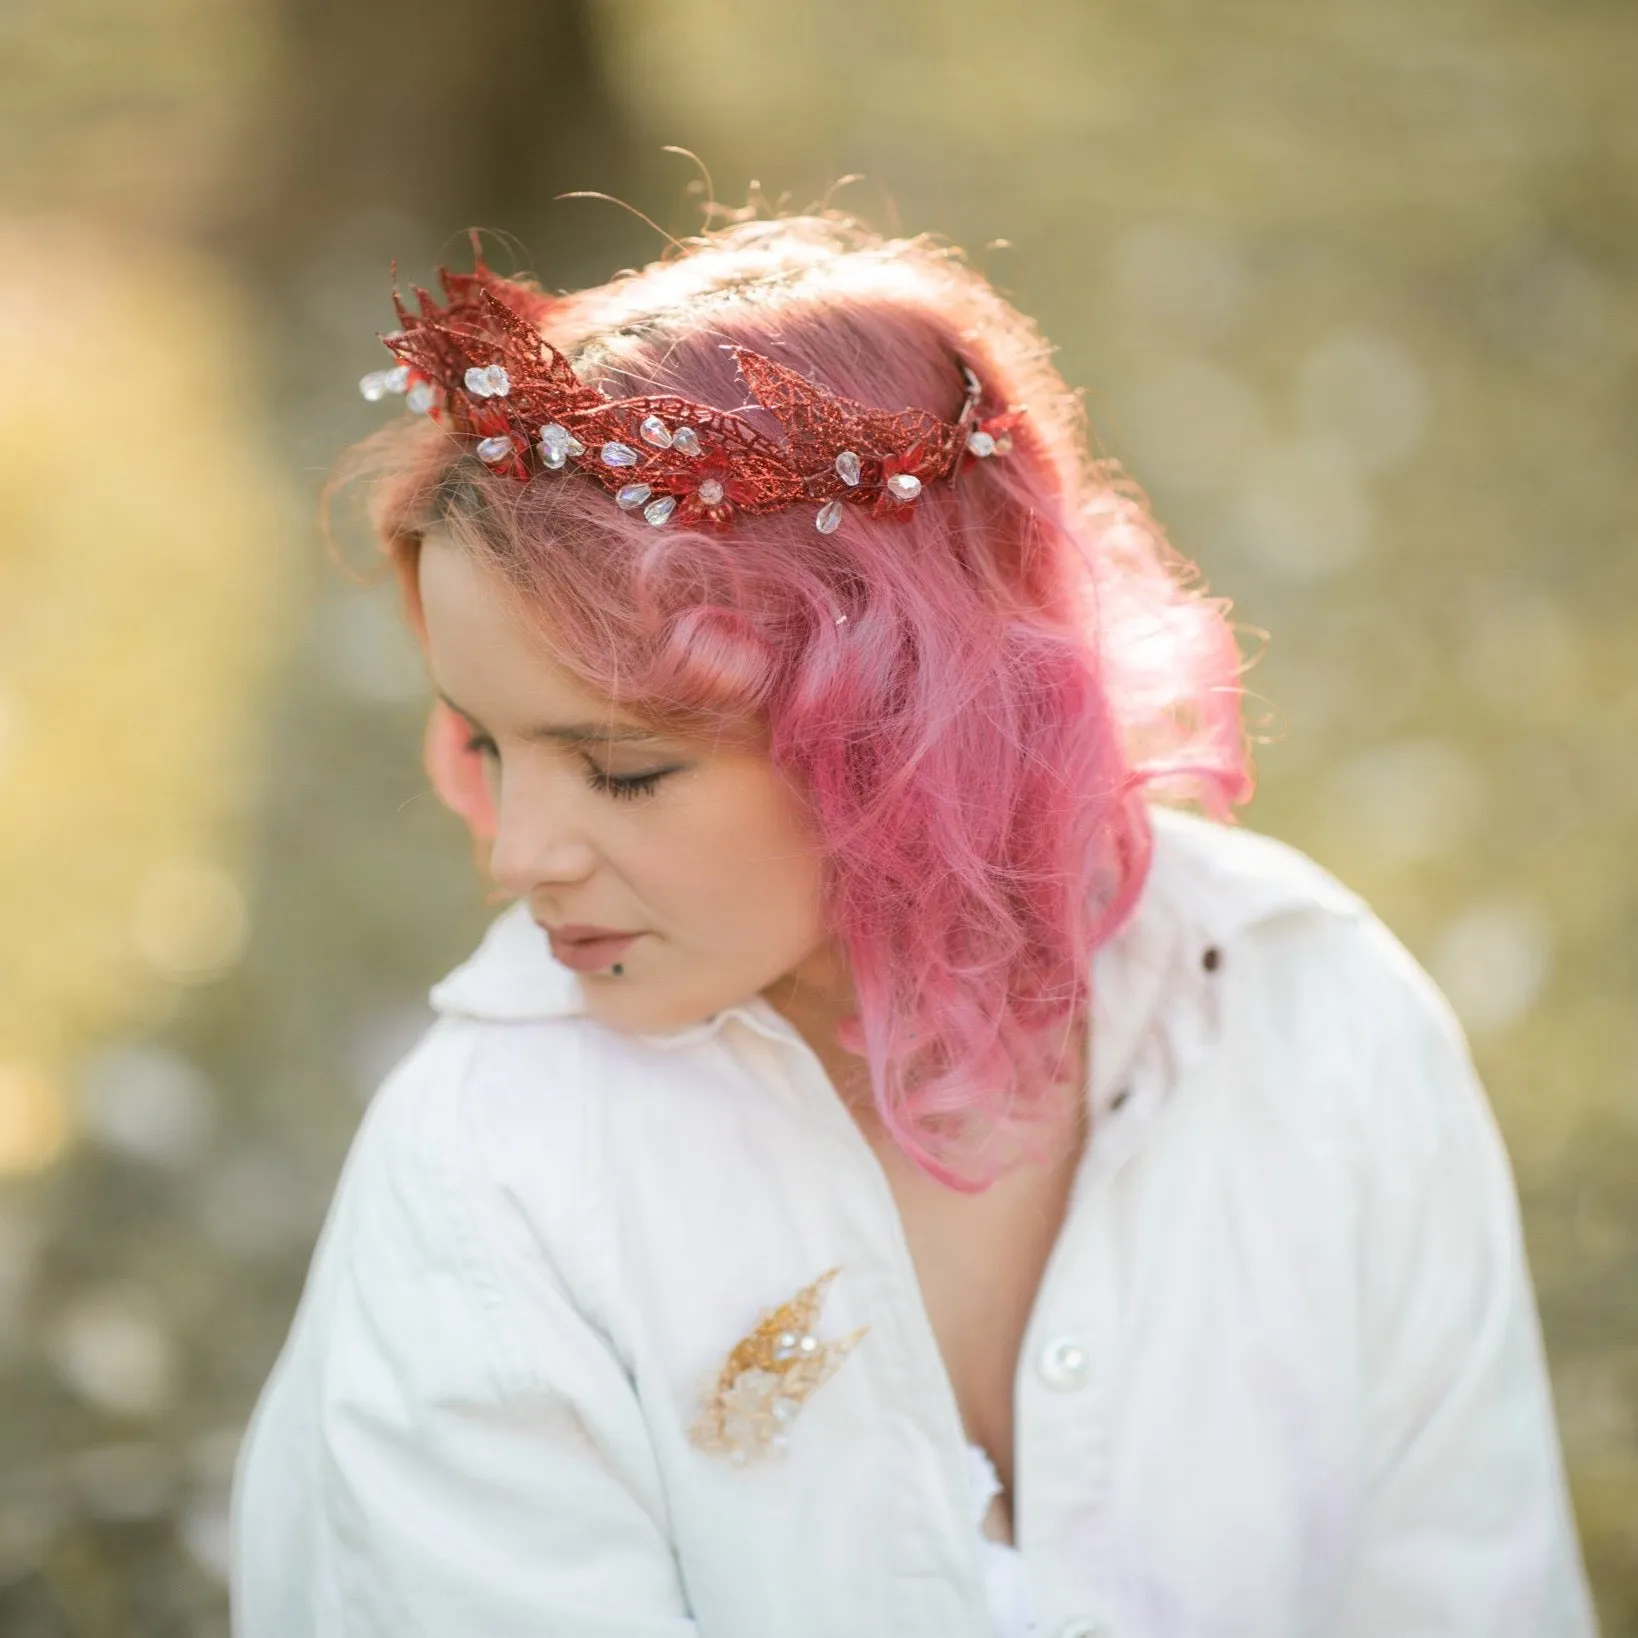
[(703, 849)]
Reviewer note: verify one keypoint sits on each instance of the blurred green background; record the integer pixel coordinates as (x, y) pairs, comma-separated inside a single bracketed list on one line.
[(1350, 288)]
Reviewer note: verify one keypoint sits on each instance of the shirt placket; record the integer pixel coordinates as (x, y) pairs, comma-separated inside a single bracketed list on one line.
[(937, 1588), (1062, 1408), (1066, 1394)]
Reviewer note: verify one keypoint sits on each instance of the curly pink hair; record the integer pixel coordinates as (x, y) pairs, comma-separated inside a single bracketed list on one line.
[(1022, 663)]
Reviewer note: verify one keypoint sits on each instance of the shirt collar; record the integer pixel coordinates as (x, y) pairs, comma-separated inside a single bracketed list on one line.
[(1207, 884)]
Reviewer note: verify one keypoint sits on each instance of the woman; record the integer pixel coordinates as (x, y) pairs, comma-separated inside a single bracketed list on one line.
[(884, 1174)]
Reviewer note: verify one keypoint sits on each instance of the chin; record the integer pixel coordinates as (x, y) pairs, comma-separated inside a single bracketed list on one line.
[(629, 1009)]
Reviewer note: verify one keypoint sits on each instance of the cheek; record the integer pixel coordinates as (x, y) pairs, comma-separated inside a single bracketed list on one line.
[(734, 882), (755, 871), (457, 774)]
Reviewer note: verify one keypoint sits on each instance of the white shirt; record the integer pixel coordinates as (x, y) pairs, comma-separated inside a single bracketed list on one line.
[(1283, 1376), (1007, 1592)]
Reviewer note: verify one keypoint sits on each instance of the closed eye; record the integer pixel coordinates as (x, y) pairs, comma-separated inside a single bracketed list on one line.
[(625, 787), (622, 787)]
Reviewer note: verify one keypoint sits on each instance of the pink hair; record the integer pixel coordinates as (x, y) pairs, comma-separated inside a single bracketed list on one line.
[(1020, 665)]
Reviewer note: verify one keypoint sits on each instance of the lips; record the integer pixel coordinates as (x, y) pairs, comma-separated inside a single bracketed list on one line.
[(575, 932), (588, 955)]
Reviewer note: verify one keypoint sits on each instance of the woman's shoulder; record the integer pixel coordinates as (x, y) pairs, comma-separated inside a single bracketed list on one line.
[(465, 1072), (1310, 977), (472, 1194), (478, 1112), (1234, 878), (1233, 887), (511, 1052)]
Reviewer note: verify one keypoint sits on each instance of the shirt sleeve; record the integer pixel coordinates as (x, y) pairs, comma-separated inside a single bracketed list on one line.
[(446, 1448), (1468, 1531)]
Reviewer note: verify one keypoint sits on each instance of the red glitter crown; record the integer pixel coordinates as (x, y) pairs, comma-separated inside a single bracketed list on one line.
[(478, 363)]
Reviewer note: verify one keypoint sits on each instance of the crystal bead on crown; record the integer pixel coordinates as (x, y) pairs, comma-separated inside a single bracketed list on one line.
[(658, 512), (655, 432), (848, 469), (631, 496), (615, 454), (378, 383), (904, 486), (557, 444), (687, 441)]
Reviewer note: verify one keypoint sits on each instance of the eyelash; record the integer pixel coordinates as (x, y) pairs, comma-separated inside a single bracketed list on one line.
[(627, 788)]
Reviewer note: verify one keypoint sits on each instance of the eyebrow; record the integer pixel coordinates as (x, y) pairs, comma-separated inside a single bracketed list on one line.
[(570, 733)]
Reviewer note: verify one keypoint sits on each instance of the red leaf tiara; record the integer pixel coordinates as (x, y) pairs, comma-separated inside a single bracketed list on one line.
[(478, 363)]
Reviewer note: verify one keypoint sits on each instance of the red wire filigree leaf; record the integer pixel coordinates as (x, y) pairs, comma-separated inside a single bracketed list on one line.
[(819, 425), (455, 351)]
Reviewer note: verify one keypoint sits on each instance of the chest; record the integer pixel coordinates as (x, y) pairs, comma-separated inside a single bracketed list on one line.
[(979, 1261)]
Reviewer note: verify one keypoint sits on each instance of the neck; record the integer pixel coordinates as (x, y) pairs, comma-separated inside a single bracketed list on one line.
[(815, 995)]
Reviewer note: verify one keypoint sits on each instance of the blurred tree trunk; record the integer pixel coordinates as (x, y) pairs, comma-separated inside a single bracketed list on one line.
[(447, 115)]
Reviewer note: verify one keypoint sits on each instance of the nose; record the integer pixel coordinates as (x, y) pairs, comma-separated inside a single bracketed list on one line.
[(539, 841)]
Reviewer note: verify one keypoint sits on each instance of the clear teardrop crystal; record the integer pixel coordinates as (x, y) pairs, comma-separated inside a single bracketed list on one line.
[(421, 397), (632, 496), (904, 485), (659, 511), (378, 383), (980, 442), (619, 455), (560, 442), (477, 381), (500, 383), (711, 492), (494, 449), (847, 468), (655, 432), (830, 515), (554, 456), (687, 440)]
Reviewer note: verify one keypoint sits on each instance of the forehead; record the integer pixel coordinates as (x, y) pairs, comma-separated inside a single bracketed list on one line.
[(494, 661), (485, 648)]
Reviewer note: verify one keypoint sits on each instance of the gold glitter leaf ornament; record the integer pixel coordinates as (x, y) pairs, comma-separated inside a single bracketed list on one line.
[(767, 1378)]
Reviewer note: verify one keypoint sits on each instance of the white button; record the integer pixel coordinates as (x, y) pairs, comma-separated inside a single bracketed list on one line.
[(1065, 1364), (1079, 1628)]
